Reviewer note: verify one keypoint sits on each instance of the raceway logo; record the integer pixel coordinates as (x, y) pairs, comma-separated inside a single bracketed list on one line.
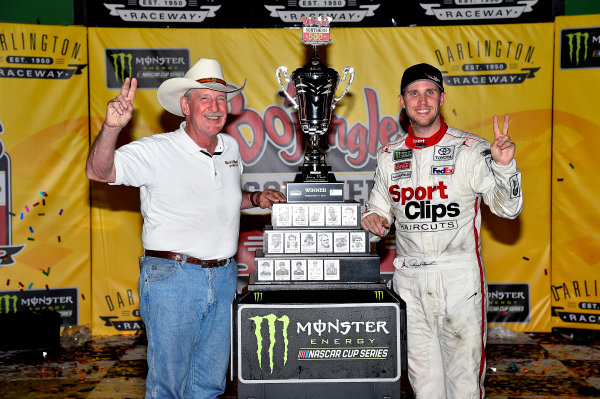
[(150, 67), (484, 61), (488, 9), (38, 55), (273, 324), (580, 48), (125, 311), (337, 10), (163, 11)]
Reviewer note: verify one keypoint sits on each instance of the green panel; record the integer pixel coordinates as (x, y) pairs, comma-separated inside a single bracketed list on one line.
[(45, 12), (580, 7)]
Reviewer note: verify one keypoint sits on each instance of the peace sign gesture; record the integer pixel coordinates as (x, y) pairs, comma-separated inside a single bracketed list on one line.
[(120, 109), (503, 149)]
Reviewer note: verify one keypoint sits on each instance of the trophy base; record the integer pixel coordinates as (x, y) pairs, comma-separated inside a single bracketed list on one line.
[(315, 173)]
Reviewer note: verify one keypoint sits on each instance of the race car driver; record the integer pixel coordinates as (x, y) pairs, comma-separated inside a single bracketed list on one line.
[(430, 183)]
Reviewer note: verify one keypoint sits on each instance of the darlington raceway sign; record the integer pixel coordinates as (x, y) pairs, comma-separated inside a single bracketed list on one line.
[(326, 343)]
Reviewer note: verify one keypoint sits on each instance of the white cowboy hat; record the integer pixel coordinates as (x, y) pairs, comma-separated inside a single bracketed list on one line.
[(205, 74)]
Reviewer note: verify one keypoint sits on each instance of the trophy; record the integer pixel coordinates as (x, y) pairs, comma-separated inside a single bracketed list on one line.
[(315, 85)]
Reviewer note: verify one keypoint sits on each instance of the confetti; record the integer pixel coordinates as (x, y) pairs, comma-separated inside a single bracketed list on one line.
[(45, 194), (7, 281), (41, 214), (30, 239), (36, 204), (82, 296), (44, 202), (21, 215), (47, 288), (30, 285), (46, 272), (526, 258), (571, 165), (60, 213), (560, 179), (26, 208), (545, 272), (31, 229), (58, 238), (11, 214)]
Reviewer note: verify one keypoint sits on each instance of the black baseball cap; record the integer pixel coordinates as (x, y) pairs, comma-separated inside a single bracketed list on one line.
[(421, 72)]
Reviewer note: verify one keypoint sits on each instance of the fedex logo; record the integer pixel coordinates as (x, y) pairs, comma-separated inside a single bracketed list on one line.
[(419, 193), (442, 170)]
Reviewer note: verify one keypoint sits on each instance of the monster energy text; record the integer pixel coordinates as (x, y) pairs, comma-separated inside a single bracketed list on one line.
[(344, 327)]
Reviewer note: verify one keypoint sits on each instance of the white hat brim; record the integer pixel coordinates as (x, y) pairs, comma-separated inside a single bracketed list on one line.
[(171, 90)]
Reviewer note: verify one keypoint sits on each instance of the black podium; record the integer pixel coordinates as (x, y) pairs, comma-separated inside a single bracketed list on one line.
[(322, 341)]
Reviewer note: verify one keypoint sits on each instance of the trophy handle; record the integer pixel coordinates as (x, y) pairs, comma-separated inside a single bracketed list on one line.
[(283, 69), (347, 70)]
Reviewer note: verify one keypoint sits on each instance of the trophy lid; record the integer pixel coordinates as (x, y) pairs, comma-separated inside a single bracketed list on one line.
[(316, 68)]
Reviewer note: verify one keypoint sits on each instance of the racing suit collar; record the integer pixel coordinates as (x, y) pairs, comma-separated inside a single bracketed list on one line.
[(418, 143)]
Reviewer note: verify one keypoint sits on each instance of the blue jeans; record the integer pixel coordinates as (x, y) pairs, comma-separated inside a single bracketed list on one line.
[(187, 311)]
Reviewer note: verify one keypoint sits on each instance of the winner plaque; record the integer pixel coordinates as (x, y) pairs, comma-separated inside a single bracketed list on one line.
[(314, 85)]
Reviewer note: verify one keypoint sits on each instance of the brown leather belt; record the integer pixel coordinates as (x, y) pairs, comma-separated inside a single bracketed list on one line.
[(190, 259)]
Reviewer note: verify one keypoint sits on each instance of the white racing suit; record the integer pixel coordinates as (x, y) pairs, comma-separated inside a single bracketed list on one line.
[(432, 188)]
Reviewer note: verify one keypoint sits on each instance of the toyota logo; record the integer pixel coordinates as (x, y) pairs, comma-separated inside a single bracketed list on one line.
[(444, 151)]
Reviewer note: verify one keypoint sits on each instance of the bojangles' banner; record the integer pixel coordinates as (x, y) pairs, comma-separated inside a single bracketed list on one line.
[(575, 191), (487, 70), (44, 198)]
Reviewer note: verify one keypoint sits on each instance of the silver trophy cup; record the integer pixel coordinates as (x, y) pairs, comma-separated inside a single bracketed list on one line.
[(314, 85)]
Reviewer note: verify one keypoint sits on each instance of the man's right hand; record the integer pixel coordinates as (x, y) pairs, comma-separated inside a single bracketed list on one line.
[(375, 224), (120, 109)]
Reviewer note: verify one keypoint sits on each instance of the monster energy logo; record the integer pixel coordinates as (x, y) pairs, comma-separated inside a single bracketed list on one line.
[(379, 295), (578, 36), (7, 303), (272, 328), (257, 296), (119, 59)]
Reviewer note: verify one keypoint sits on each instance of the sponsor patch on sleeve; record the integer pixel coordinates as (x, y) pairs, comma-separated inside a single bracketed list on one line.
[(515, 189)]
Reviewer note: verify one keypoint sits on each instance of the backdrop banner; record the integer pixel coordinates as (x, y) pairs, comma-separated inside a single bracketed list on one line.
[(488, 70), (286, 14), (44, 197), (575, 216)]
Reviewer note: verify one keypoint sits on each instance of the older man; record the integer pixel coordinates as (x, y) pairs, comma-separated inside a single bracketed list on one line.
[(191, 197), (432, 182)]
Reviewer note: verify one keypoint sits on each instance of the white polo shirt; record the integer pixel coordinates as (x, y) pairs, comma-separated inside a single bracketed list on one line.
[(190, 201)]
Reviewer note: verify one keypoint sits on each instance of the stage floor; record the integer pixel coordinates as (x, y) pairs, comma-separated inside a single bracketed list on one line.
[(518, 366)]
